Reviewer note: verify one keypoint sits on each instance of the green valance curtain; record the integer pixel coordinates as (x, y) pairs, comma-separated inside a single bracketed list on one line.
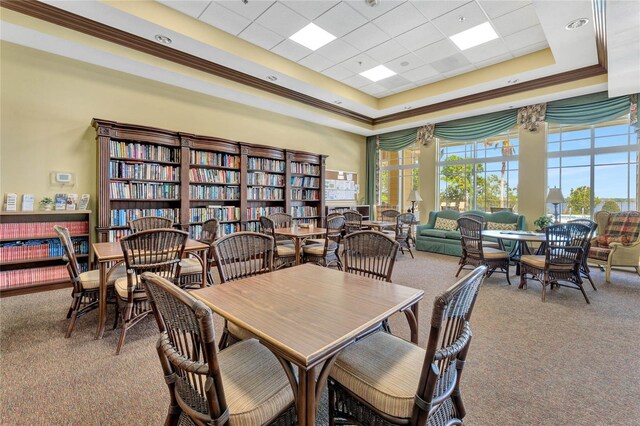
[(588, 109), (395, 141), (478, 127)]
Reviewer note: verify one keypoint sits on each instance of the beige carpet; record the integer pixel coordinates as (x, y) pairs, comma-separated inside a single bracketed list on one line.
[(530, 363)]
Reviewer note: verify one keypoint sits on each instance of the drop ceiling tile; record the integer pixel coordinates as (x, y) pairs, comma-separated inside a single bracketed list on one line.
[(387, 51), (340, 20), (494, 60), (360, 63), (282, 20), (260, 36), (250, 10), (486, 51), (450, 23), (366, 37), (393, 82), (420, 36), (337, 72), (291, 50), (356, 81), (310, 9), (436, 51), (450, 63), (459, 71), (373, 12), (495, 8), (192, 8), (316, 62), (338, 51), (373, 89), (421, 73), (529, 49), (403, 88), (429, 80), (433, 9), (527, 37), (515, 21), (224, 19), (399, 20), (405, 63)]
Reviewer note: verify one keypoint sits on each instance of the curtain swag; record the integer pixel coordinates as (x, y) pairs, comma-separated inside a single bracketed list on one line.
[(633, 110), (531, 116), (424, 135)]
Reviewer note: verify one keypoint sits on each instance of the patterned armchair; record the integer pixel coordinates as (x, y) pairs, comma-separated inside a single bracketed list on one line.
[(617, 242)]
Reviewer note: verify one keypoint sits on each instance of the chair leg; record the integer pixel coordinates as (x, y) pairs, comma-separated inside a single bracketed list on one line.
[(126, 316), (544, 286), (332, 397), (75, 306), (507, 272), (460, 268), (523, 280), (410, 252), (584, 294), (607, 274)]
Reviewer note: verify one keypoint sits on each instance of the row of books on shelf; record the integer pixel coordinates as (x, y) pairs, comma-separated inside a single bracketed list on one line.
[(195, 231), (145, 191), (202, 192), (308, 221), (307, 182), (37, 249), (305, 168), (143, 151), (149, 171), (228, 177), (302, 211), (305, 195), (265, 193), (222, 213), (40, 229), (121, 217), (115, 234), (204, 158), (25, 277), (266, 179), (266, 164), (254, 213)]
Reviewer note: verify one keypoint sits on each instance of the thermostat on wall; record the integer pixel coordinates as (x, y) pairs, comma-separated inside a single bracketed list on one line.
[(62, 178)]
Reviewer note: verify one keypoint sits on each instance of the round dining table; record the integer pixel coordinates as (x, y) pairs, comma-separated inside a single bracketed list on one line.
[(521, 240)]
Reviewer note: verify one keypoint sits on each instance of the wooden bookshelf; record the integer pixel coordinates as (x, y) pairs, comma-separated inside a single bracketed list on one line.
[(31, 256), (235, 182)]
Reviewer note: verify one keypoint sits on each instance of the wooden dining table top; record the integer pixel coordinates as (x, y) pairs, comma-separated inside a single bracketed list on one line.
[(297, 231), (515, 235), (113, 250), (307, 313)]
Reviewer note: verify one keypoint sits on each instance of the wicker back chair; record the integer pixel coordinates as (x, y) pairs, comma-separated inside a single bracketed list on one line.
[(403, 235), (389, 365), (584, 266), (325, 251), (156, 250), (371, 254), (241, 255), (389, 215), (560, 265), (192, 366), (284, 252), (282, 220), (150, 222), (86, 285), (475, 253), (353, 221), (209, 231)]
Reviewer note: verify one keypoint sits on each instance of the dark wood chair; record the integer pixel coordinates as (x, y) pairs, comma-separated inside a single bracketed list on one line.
[(389, 215), (209, 235), (353, 221), (403, 235), (284, 253), (86, 285), (378, 379), (241, 255), (325, 251), (197, 374), (474, 251), (150, 222), (584, 266), (560, 264), (480, 218), (156, 250)]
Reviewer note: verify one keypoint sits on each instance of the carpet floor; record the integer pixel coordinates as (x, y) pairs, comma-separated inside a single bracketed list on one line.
[(530, 363)]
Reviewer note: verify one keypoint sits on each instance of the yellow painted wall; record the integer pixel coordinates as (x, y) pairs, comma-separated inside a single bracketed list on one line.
[(47, 103)]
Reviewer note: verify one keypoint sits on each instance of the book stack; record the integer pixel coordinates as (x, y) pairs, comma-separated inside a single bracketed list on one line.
[(39, 249), (40, 229), (20, 277)]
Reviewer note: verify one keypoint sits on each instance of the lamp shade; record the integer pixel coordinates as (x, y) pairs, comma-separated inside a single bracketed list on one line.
[(555, 196), (414, 196)]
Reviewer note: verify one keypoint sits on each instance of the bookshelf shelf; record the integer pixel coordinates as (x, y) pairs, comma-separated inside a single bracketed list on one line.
[(144, 160), (38, 260)]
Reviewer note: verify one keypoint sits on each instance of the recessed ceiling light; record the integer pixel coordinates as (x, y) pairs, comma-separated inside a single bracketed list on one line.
[(404, 63), (337, 102), (576, 23), (272, 78), (163, 39), (312, 37), (474, 36), (462, 19), (378, 73)]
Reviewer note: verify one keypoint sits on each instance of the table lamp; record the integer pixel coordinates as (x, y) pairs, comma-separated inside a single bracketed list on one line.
[(413, 197), (556, 198)]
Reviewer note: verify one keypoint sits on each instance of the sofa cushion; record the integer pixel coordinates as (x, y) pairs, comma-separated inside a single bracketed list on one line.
[(437, 233), (446, 224), (606, 239), (453, 235), (624, 223), (599, 253), (497, 226)]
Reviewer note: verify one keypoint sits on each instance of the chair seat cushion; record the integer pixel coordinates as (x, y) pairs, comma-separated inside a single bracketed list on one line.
[(285, 250), (599, 253), (121, 289), (255, 384), (437, 233), (314, 241), (285, 242), (383, 370), (238, 332), (490, 244), (91, 279), (494, 253), (318, 249), (452, 235), (190, 266), (537, 261)]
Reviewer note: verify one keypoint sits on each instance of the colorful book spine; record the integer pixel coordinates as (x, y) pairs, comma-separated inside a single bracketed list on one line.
[(265, 193), (305, 168), (39, 249), (305, 195), (304, 211), (265, 179), (228, 177), (140, 151), (216, 159), (266, 164), (147, 171), (222, 213), (195, 231), (121, 217), (40, 229), (202, 192), (114, 235), (144, 191), (306, 182), (254, 213), (25, 277)]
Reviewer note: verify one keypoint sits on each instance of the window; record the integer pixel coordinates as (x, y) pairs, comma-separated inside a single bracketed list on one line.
[(595, 166), (480, 174), (398, 177)]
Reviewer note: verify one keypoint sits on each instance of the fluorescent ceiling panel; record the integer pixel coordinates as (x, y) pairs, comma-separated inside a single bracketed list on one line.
[(312, 37), (474, 36), (378, 73)]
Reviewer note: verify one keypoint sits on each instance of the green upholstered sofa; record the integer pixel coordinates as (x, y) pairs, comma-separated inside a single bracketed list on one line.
[(448, 242)]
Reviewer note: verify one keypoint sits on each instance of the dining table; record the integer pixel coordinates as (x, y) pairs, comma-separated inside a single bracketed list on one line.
[(298, 234), (109, 255), (521, 241), (306, 315), (377, 225)]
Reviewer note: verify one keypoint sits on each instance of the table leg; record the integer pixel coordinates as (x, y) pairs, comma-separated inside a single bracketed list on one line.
[(298, 244), (306, 398), (414, 329), (205, 267), (102, 300)]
